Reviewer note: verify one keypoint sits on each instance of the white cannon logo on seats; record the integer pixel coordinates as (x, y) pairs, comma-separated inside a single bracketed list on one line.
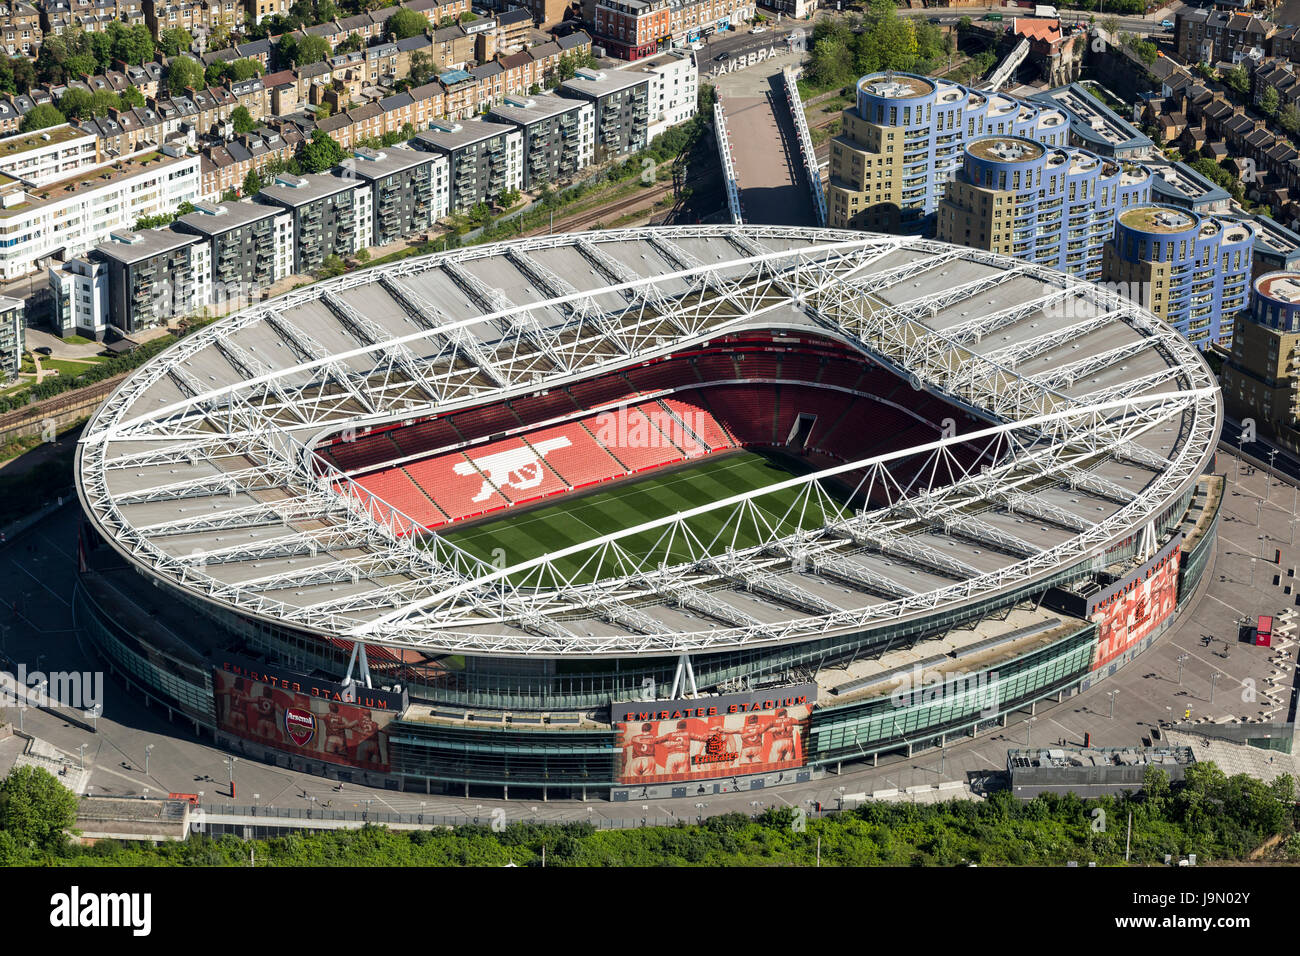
[(517, 468)]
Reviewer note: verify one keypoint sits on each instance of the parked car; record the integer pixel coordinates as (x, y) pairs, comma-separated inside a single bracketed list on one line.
[(759, 30)]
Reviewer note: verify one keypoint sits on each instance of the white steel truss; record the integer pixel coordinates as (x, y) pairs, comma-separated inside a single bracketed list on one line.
[(363, 570)]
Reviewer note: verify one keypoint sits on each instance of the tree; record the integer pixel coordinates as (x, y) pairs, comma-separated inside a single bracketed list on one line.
[(132, 45), (320, 153), (332, 266), (174, 41), (183, 72), (305, 50), (1289, 118), (76, 104), (242, 120), (1269, 101), (104, 100), (252, 183), (244, 68), (350, 44), (423, 67), (17, 74), (35, 808), (132, 97), (219, 38), (1237, 80), (406, 23), (42, 116)]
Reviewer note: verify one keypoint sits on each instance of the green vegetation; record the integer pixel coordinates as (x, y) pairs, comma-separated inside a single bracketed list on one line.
[(183, 72), (164, 218), (843, 50), (242, 69), (242, 120), (1214, 816), (575, 519), (42, 116), (35, 809), (76, 52), (406, 23), (322, 152), (175, 41), (302, 51), (1237, 80), (1269, 101), (1219, 176), (79, 104), (1289, 118)]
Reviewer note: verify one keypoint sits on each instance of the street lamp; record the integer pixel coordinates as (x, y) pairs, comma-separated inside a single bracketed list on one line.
[(1214, 680), (147, 751), (81, 757), (1183, 657), (1112, 703), (1029, 729), (230, 763)]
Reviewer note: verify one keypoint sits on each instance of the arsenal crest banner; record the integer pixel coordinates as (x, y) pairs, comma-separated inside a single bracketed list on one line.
[(301, 715)]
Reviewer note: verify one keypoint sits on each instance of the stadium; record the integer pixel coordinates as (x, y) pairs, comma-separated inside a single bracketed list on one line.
[(627, 511)]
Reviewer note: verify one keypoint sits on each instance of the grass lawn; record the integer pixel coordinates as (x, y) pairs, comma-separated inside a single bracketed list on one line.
[(67, 368), (76, 340), (577, 518)]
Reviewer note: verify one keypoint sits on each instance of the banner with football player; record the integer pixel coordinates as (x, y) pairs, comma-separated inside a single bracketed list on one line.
[(673, 741), (303, 716)]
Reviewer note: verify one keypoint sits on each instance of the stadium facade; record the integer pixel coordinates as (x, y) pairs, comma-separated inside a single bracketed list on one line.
[(422, 526)]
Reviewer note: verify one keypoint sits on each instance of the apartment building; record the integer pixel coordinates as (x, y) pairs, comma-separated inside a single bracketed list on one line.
[(153, 276), (332, 216), (251, 247), (1220, 36), (632, 29), (410, 189), (1192, 271), (1055, 207), (559, 135), (674, 90), (1094, 125), (1261, 377), (67, 217), (79, 288), (48, 155), (513, 27), (484, 159), (621, 100), (13, 337), (905, 138)]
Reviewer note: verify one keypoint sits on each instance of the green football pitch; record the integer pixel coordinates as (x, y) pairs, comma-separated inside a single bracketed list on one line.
[(575, 518)]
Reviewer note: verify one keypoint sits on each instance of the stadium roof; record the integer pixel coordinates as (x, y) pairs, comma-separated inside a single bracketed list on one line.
[(199, 467)]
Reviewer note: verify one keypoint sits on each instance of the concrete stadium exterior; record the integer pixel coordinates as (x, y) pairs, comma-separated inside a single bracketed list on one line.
[(1086, 426)]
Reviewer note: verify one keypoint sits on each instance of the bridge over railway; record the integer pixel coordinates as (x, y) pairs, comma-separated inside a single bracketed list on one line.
[(769, 155)]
